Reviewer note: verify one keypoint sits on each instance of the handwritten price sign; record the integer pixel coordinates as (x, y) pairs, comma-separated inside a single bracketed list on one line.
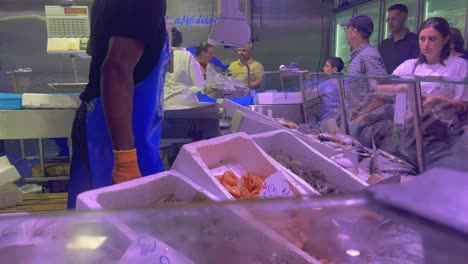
[(148, 247), (276, 185)]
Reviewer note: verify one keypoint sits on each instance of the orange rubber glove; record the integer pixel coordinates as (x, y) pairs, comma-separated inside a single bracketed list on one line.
[(125, 166)]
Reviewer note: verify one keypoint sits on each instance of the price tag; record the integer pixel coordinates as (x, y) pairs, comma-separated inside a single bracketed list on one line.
[(400, 109), (276, 185)]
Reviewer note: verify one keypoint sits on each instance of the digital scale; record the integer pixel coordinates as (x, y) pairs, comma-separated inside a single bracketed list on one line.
[(68, 28)]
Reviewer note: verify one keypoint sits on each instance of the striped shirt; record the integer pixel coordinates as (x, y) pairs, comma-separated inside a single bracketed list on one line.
[(365, 61)]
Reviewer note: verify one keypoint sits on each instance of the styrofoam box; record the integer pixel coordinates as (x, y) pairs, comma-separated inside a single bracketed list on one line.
[(144, 192), (60, 100), (8, 174), (202, 161), (4, 163), (137, 192), (278, 98), (250, 124), (294, 148), (10, 195)]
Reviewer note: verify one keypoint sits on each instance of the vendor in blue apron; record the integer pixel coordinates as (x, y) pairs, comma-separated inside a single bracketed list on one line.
[(117, 128)]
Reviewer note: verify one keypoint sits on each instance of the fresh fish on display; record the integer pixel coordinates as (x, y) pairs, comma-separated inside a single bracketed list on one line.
[(313, 177), (440, 124)]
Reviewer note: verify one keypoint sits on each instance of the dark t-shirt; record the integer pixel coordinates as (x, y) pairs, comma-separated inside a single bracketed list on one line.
[(395, 53), (142, 20)]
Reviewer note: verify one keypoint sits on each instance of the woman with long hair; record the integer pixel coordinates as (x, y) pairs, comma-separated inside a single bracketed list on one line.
[(435, 60)]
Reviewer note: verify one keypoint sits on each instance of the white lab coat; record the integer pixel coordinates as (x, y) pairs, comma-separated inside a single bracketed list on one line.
[(182, 85)]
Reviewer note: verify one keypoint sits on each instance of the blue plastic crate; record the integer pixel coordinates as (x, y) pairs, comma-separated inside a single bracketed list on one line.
[(10, 101)]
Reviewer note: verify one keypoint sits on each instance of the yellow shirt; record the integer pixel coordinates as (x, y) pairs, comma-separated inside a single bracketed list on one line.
[(239, 70)]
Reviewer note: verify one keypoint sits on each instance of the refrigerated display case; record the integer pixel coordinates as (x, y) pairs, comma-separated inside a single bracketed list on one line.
[(341, 46), (373, 11), (385, 224), (412, 11), (454, 12)]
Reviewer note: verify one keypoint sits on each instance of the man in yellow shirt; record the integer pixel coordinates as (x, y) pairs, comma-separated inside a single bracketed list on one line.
[(239, 70)]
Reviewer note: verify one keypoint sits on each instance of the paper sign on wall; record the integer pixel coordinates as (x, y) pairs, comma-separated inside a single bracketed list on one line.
[(276, 185)]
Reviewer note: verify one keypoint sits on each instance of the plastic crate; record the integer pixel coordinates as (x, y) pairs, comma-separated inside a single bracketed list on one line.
[(10, 101)]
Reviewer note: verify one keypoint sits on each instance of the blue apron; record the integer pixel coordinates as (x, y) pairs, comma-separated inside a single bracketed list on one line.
[(147, 124)]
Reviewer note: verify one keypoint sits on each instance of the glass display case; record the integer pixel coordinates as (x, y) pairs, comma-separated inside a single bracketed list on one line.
[(364, 228), (395, 115)]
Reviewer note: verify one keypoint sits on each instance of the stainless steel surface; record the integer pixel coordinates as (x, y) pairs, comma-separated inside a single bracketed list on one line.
[(414, 95), (41, 123), (69, 87)]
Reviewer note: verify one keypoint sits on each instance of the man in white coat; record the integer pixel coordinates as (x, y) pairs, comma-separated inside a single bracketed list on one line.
[(187, 79)]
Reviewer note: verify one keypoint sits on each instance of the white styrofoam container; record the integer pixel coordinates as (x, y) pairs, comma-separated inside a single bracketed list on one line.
[(251, 124), (286, 143), (147, 189), (278, 98), (143, 192), (33, 100), (10, 195), (4, 163), (8, 173), (202, 161)]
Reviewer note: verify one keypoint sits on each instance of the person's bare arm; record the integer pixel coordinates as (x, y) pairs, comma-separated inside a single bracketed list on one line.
[(391, 88), (117, 89)]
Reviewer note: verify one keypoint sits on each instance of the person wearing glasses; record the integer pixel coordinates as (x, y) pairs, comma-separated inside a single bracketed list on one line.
[(365, 60), (402, 44), (204, 53), (238, 69)]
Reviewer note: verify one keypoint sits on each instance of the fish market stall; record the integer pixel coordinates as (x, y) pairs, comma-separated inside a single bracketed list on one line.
[(383, 136)]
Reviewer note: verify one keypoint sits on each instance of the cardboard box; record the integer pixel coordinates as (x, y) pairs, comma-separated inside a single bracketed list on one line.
[(52, 169)]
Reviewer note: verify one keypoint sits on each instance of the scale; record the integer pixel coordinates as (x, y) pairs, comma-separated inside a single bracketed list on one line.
[(68, 28)]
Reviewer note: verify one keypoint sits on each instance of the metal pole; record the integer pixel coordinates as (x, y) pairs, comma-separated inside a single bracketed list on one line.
[(343, 105), (415, 101), (41, 158), (301, 80)]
